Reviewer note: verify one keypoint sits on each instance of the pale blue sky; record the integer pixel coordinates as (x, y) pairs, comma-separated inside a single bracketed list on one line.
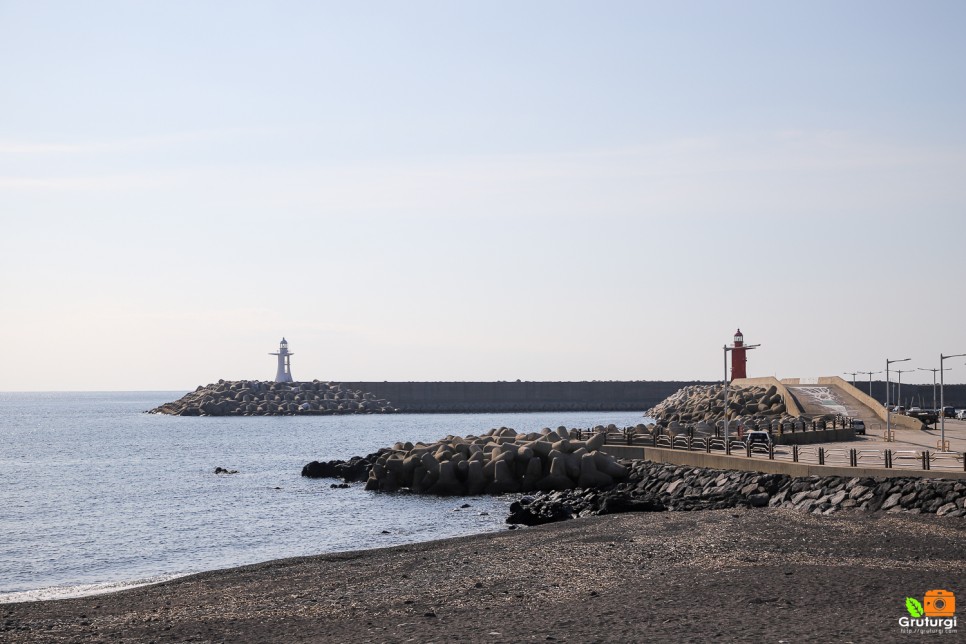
[(477, 191)]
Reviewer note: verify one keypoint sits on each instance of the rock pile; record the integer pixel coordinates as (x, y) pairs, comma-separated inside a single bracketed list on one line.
[(703, 406), (500, 461), (261, 398), (355, 469), (656, 487)]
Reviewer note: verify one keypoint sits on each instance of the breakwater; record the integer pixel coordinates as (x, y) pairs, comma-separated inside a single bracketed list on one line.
[(522, 396), (497, 462), (260, 398), (702, 406), (652, 487), (698, 411)]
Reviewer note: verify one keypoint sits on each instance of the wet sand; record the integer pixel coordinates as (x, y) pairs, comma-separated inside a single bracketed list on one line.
[(764, 575)]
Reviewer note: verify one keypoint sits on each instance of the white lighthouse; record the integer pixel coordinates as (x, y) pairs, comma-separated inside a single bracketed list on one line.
[(284, 373)]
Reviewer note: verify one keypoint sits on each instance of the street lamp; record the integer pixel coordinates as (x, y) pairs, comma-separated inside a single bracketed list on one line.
[(934, 382), (870, 374), (888, 409), (942, 400), (899, 389), (853, 374), (727, 381)]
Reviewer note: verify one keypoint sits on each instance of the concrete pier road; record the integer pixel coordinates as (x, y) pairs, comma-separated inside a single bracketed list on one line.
[(830, 398), (909, 439)]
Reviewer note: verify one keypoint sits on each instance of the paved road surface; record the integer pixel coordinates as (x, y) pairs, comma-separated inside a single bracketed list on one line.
[(831, 399)]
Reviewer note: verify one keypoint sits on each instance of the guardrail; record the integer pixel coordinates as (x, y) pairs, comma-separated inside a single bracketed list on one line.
[(839, 456)]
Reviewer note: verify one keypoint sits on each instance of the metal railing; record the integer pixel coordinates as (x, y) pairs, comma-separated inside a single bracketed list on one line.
[(837, 456)]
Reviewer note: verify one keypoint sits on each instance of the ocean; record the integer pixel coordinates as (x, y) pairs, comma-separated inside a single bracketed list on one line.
[(96, 495)]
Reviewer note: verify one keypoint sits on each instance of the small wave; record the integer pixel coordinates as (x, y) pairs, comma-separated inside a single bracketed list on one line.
[(82, 590)]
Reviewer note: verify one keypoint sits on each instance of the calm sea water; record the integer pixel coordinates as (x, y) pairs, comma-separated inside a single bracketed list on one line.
[(96, 495)]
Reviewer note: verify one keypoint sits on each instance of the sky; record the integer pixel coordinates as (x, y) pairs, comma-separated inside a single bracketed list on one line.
[(478, 190)]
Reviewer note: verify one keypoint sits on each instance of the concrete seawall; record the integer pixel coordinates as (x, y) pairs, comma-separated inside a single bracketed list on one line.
[(518, 396)]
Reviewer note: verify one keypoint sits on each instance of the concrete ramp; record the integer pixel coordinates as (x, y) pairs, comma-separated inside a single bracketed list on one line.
[(818, 400), (833, 395)]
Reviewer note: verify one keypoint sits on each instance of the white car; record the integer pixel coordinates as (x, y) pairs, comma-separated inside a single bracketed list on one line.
[(758, 437), (961, 414)]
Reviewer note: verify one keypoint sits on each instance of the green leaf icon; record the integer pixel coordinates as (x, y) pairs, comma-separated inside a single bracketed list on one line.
[(914, 607)]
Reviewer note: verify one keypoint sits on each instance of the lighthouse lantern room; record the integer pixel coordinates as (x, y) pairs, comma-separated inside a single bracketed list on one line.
[(284, 372)]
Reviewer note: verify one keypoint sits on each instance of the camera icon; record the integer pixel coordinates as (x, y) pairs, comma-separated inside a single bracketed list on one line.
[(939, 603)]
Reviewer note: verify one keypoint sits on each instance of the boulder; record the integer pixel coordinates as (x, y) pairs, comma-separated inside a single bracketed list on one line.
[(557, 479), (590, 476)]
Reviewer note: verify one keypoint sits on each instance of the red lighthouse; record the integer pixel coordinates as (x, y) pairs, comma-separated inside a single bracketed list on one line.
[(738, 359)]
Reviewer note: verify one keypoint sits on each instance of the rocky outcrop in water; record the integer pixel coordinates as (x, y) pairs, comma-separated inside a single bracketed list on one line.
[(355, 469), (261, 398), (652, 487)]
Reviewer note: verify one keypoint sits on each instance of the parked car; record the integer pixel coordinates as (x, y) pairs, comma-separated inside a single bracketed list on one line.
[(758, 437), (927, 416), (961, 414), (858, 426), (949, 412)]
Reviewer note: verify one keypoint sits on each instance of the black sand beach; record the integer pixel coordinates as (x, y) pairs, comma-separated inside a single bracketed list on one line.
[(731, 575)]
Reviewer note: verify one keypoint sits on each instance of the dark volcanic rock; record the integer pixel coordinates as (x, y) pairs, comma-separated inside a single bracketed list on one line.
[(355, 469), (525, 512), (654, 487)]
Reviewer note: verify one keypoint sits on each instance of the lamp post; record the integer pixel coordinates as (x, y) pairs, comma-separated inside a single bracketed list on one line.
[(942, 400), (727, 381), (853, 374), (934, 382), (899, 389), (870, 374), (888, 409)]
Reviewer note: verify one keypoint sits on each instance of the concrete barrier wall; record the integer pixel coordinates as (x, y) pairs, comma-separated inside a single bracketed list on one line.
[(817, 436), (745, 464), (791, 405), (898, 421), (521, 396)]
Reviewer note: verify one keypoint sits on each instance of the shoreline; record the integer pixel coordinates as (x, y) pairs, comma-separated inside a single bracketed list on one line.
[(724, 574), (75, 591), (97, 589)]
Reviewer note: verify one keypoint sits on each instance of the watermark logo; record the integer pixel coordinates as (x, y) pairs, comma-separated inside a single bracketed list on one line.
[(936, 613), (914, 607)]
